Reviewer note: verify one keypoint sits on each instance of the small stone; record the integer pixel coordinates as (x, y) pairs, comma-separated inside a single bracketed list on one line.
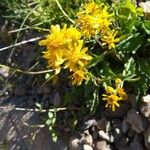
[(146, 8), (89, 123), (145, 106), (87, 147), (101, 145), (136, 121), (74, 144), (4, 72), (146, 99), (101, 124), (125, 126), (104, 135), (86, 138), (20, 91)]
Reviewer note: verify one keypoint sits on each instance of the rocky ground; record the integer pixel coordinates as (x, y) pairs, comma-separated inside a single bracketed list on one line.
[(124, 129)]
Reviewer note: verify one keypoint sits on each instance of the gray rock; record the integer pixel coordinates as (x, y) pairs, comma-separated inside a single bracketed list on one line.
[(104, 136), (137, 122)]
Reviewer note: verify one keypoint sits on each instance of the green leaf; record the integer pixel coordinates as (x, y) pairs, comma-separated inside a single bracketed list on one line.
[(38, 105), (50, 115), (144, 67), (129, 70), (146, 26), (96, 59), (131, 44), (53, 120), (48, 122)]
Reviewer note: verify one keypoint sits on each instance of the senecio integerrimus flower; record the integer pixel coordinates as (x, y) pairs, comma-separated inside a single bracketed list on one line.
[(113, 96), (96, 20), (93, 18), (65, 50)]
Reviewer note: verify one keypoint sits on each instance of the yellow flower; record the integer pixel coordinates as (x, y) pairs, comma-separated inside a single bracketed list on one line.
[(104, 25), (55, 59), (72, 34), (78, 77), (118, 81), (91, 8), (104, 12), (110, 90), (93, 19), (121, 93), (112, 101), (76, 57), (88, 25), (56, 39), (110, 40), (113, 96), (57, 45)]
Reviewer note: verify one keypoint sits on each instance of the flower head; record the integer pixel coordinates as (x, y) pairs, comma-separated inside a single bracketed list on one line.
[(118, 81), (65, 51), (76, 56), (112, 101), (110, 90), (55, 39), (55, 59), (91, 8), (78, 77), (121, 93), (114, 95), (110, 40), (93, 19)]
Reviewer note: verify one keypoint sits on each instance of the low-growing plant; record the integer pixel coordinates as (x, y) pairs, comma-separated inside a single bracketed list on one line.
[(105, 52), (102, 48)]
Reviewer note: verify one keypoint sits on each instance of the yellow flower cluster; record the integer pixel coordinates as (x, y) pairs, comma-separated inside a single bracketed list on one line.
[(114, 95), (65, 50), (94, 19)]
